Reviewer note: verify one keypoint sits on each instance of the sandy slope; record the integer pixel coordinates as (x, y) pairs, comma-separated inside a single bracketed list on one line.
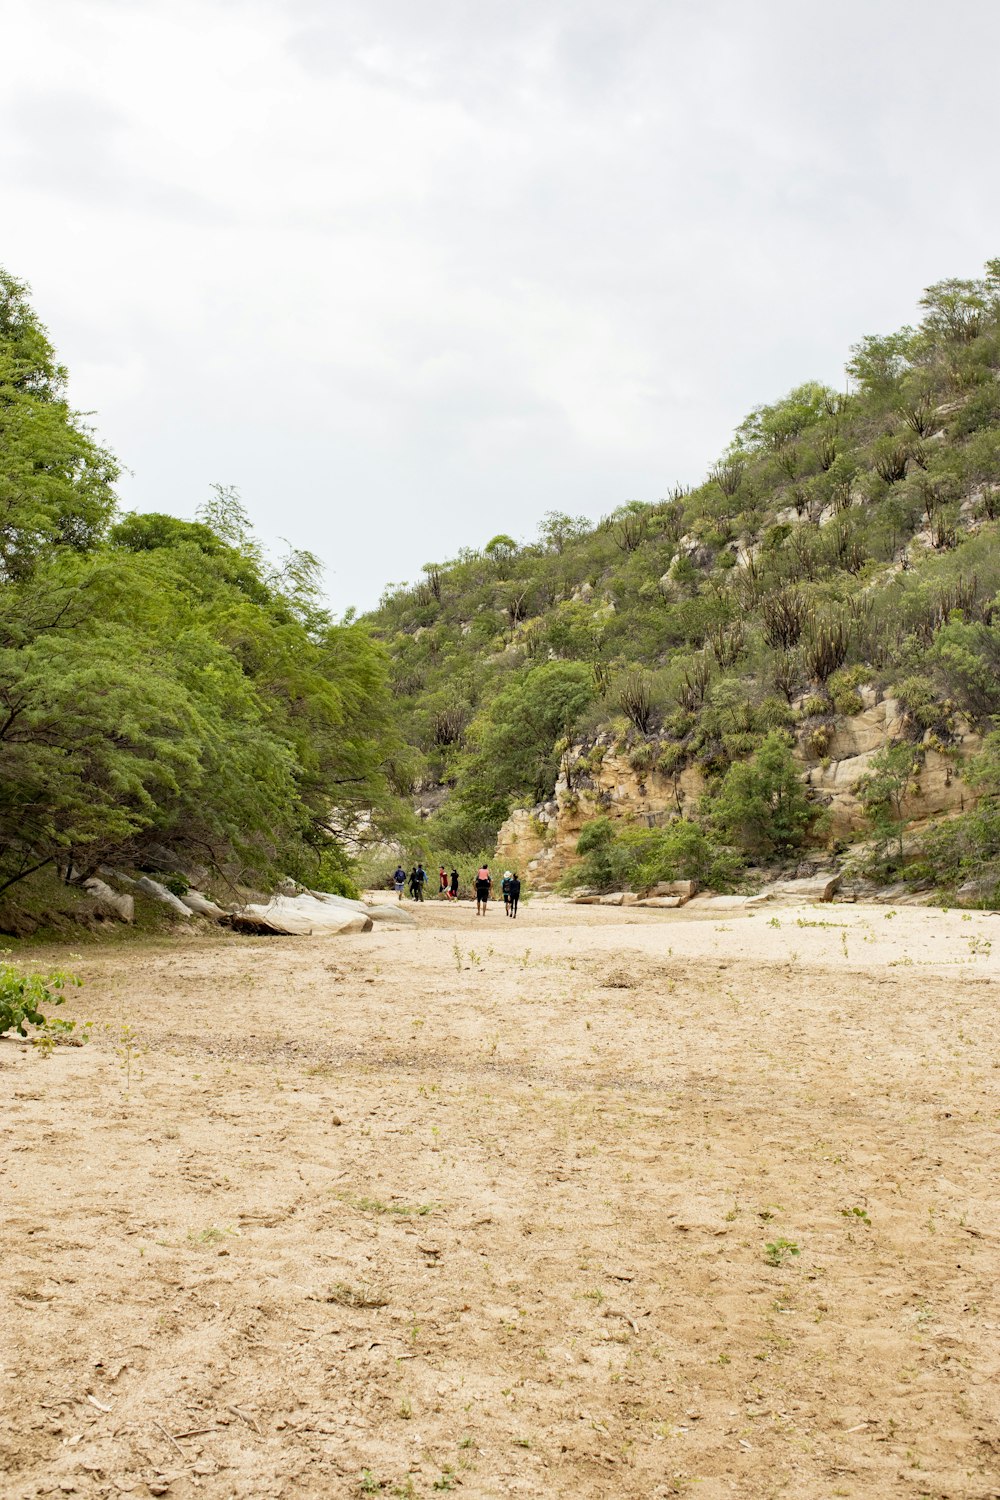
[(485, 1205)]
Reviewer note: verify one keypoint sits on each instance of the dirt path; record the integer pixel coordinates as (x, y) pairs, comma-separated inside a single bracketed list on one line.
[(485, 1206)]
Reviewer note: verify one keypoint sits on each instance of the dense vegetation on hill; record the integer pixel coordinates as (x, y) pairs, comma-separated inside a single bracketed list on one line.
[(161, 683), (841, 539)]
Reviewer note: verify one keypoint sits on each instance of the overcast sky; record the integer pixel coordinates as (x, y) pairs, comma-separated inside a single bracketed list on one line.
[(412, 272)]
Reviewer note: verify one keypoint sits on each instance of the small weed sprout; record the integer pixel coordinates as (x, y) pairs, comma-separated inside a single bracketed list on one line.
[(776, 1252), (128, 1050), (773, 922)]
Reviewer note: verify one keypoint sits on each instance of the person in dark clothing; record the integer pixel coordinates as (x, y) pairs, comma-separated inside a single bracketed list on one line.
[(484, 884), (399, 881), (513, 895), (419, 877), (454, 885), (505, 891)]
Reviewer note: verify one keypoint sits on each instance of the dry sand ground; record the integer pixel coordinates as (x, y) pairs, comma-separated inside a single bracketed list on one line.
[(484, 1206)]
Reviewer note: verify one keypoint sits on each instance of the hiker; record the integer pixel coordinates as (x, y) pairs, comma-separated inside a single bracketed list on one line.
[(421, 875), (442, 881), (398, 881), (484, 884), (505, 888), (514, 895), (417, 878), (454, 885)]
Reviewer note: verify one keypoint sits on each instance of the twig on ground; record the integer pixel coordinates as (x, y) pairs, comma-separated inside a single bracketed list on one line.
[(250, 1421), (170, 1439)]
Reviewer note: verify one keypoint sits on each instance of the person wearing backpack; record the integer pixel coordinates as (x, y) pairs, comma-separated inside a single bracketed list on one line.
[(399, 881), (513, 895), (484, 884)]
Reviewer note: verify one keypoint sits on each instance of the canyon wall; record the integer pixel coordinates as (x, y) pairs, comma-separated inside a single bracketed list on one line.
[(540, 842)]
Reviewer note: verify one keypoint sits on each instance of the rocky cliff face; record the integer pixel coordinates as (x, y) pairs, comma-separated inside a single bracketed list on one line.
[(540, 842), (851, 744)]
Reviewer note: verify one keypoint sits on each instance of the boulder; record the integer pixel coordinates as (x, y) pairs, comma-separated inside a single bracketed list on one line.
[(108, 902), (613, 898), (202, 906), (730, 903), (822, 886), (299, 916), (160, 893), (384, 911), (975, 892), (664, 903), (685, 889), (397, 914)]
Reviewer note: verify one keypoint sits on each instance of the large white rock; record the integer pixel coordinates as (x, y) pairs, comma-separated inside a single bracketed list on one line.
[(110, 902), (397, 913), (382, 912), (202, 906), (160, 893), (819, 887), (301, 916)]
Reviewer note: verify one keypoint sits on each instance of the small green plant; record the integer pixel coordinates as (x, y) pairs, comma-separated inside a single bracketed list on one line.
[(446, 1480), (368, 1484), (128, 1050), (23, 995), (773, 922), (405, 1408), (858, 1214), (776, 1252), (210, 1236), (456, 953)]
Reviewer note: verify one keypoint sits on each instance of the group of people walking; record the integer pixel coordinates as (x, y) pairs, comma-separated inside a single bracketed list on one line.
[(417, 879)]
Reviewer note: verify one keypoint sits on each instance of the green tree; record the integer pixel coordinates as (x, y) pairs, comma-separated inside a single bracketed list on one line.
[(56, 482), (514, 740), (761, 805), (883, 791)]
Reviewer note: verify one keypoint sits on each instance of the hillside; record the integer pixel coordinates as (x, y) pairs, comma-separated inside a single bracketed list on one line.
[(841, 559)]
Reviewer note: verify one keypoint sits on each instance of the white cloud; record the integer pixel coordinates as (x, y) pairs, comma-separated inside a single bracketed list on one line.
[(407, 271)]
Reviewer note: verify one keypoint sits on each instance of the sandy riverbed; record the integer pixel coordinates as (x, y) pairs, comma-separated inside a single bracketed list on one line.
[(485, 1206)]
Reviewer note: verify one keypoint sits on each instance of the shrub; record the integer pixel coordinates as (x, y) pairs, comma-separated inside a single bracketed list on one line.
[(627, 856), (683, 850), (641, 757), (23, 995), (883, 791), (761, 805), (335, 874)]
